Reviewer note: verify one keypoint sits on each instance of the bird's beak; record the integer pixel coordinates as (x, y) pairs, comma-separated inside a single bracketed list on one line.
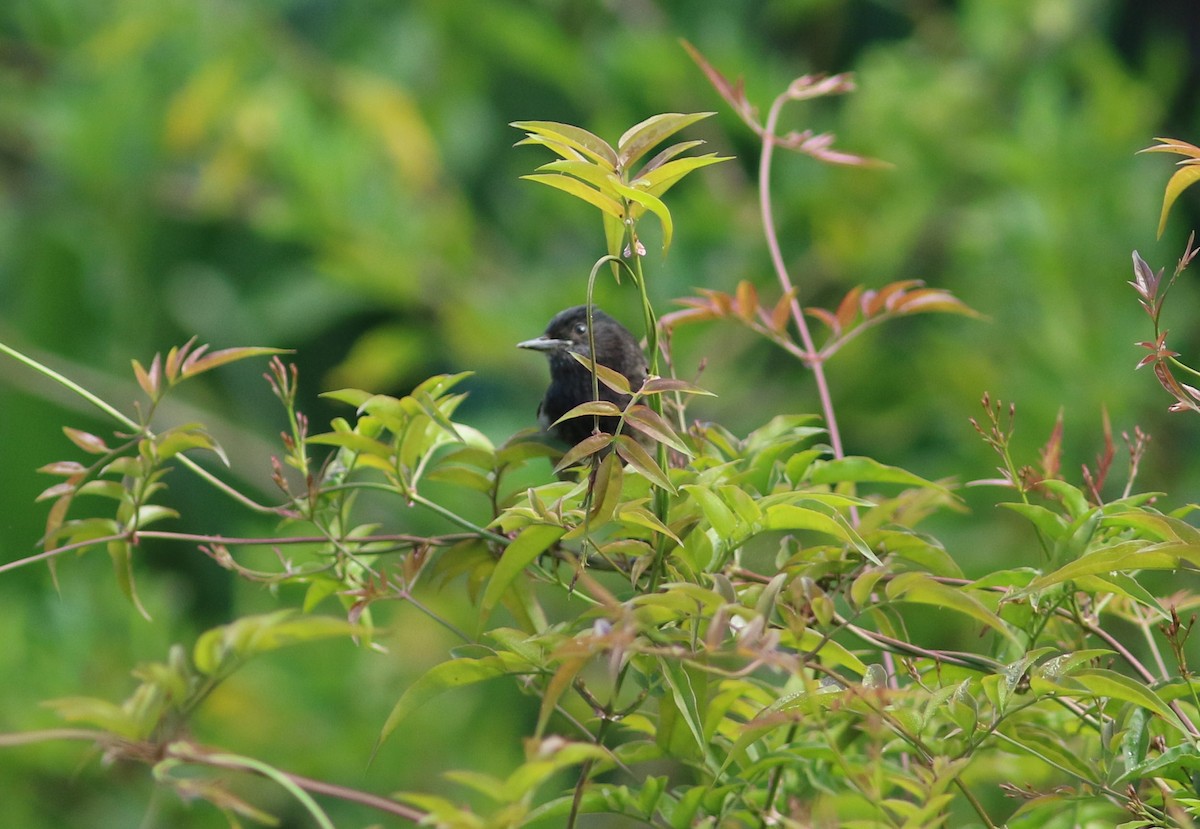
[(544, 344)]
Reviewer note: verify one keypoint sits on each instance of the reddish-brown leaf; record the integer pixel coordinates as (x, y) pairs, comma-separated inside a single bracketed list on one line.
[(782, 311), (1051, 454), (606, 493), (649, 423), (733, 93), (149, 380), (175, 358), (746, 301), (657, 385), (198, 362), (67, 468), (695, 314), (637, 457), (590, 445), (849, 306), (928, 300), (86, 441), (826, 318)]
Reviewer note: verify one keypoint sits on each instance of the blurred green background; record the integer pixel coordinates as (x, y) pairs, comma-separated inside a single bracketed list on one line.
[(339, 179)]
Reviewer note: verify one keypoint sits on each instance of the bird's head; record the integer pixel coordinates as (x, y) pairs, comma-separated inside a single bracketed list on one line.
[(568, 331)]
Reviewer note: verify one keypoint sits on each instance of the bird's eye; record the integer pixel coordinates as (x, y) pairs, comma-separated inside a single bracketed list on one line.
[(580, 329)]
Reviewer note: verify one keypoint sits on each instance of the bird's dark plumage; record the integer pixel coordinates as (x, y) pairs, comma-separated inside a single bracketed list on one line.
[(571, 382)]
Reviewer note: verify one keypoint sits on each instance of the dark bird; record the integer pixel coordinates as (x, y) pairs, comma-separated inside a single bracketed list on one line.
[(571, 382)]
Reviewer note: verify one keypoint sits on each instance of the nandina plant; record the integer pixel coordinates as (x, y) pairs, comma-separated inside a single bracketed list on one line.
[(759, 635)]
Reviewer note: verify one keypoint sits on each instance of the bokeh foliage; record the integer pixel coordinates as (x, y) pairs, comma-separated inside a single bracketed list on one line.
[(339, 179)]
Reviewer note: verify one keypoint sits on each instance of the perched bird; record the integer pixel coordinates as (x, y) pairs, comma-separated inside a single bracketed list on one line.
[(571, 382)]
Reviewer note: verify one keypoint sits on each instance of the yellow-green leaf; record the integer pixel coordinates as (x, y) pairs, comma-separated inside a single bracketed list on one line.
[(580, 191)]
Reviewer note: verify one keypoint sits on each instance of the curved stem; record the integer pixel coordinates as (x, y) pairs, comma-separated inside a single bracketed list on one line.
[(814, 359)]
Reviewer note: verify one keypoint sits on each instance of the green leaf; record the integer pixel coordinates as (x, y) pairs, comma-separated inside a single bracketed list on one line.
[(98, 712), (920, 589), (1051, 524), (718, 514), (354, 442), (641, 138), (792, 517), (566, 135), (1122, 557), (1183, 178), (353, 397), (614, 238), (607, 492), (642, 517), (687, 700), (222, 648), (579, 190), (527, 546), (855, 469), (182, 438), (659, 181), (615, 380), (592, 408), (121, 553), (1106, 683), (651, 203), (1178, 762), (456, 673)]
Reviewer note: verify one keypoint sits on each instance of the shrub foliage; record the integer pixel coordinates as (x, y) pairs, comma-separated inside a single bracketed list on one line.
[(733, 630)]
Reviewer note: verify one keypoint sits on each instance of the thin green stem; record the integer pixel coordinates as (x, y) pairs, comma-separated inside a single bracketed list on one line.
[(66, 382), (457, 519)]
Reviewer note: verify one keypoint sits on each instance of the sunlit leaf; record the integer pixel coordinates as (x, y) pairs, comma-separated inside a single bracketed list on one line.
[(641, 138), (354, 397), (602, 408), (666, 155), (612, 378), (792, 517), (1122, 557), (660, 180), (651, 203), (570, 136), (856, 469), (219, 649), (580, 191)]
